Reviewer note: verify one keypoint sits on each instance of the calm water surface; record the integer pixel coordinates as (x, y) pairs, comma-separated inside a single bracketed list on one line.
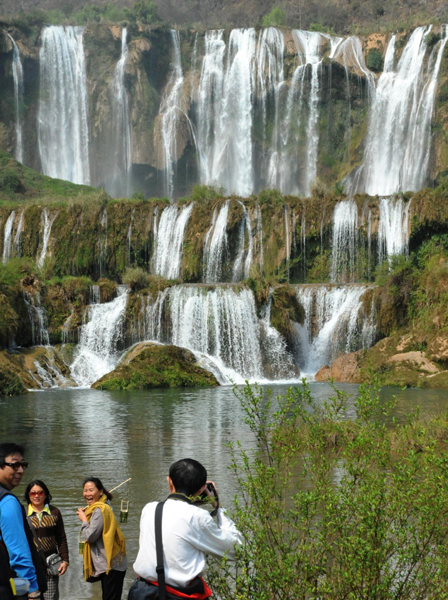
[(70, 434)]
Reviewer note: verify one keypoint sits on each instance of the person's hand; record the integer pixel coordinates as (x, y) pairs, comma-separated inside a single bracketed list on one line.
[(213, 496), (81, 515), (62, 568)]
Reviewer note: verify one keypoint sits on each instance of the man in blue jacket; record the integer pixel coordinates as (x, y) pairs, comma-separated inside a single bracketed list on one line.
[(18, 555)]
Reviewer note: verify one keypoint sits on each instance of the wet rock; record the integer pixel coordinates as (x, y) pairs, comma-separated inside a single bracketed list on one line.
[(148, 365), (345, 369)]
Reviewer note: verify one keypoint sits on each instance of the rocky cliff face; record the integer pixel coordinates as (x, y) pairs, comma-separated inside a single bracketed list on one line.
[(302, 110)]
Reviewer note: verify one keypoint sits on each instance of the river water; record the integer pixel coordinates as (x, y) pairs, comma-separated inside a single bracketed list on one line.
[(70, 434)]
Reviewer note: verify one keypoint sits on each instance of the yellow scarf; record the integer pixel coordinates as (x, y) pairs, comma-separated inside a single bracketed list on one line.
[(113, 538)]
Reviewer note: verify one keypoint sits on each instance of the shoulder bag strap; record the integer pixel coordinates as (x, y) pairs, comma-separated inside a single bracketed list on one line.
[(37, 540), (160, 569)]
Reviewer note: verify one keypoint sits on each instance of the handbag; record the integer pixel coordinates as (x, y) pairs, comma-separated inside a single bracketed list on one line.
[(52, 562)]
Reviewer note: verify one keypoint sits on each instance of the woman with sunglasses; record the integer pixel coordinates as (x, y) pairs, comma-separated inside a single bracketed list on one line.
[(49, 526)]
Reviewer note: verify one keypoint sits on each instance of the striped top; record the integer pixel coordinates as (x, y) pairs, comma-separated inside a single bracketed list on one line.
[(50, 530)]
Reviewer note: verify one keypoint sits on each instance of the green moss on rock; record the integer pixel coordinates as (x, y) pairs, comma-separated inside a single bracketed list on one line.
[(153, 366)]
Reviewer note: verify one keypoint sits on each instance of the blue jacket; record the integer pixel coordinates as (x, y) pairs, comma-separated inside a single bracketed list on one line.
[(13, 535)]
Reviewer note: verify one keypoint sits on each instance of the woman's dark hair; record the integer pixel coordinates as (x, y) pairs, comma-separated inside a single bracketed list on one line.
[(26, 495), (188, 476), (98, 484)]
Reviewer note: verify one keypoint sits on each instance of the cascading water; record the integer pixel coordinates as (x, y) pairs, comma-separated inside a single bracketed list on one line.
[(118, 183), (170, 109), (103, 243), (17, 245), (259, 218), (215, 245), (62, 127), (7, 237), (335, 322), (169, 239), (38, 319), (345, 241), (270, 81), (393, 230), (398, 139), (46, 224), (97, 352), (243, 260), (225, 111), (220, 323), (288, 177), (17, 73)]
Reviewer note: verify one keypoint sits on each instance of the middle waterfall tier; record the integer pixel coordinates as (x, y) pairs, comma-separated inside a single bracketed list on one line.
[(244, 110)]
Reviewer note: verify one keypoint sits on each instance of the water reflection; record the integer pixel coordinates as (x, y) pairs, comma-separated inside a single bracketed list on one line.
[(70, 434)]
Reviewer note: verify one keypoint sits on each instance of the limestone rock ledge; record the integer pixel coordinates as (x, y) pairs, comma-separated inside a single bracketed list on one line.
[(148, 365), (396, 360)]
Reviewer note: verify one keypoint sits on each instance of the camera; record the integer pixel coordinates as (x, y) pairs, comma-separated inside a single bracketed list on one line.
[(209, 497)]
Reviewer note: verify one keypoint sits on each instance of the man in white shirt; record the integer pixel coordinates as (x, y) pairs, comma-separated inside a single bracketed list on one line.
[(188, 533)]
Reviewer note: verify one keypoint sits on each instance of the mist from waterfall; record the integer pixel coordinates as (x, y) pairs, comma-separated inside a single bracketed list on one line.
[(17, 73), (63, 123), (118, 182), (398, 139)]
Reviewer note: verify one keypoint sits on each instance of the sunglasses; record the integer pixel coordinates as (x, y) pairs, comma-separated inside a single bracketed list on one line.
[(37, 493), (16, 465)]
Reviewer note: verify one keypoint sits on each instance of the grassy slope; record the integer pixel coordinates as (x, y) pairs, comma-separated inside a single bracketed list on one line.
[(18, 183)]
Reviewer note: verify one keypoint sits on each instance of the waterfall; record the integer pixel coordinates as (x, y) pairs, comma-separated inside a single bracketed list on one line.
[(17, 245), (103, 243), (17, 73), (335, 322), (345, 241), (7, 237), (225, 111), (243, 260), (349, 53), (398, 141), (95, 294), (63, 135), (278, 362), (259, 218), (100, 336), (221, 324), (119, 183), (170, 109), (270, 80), (46, 225), (38, 319), (393, 229), (288, 178), (209, 97), (169, 240), (215, 245)]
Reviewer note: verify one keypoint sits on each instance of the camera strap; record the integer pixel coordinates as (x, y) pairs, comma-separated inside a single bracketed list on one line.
[(160, 569)]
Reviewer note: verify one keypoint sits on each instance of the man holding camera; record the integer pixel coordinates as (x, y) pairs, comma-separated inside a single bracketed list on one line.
[(172, 549)]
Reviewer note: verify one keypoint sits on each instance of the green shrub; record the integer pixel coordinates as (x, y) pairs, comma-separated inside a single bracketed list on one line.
[(333, 505), (10, 384), (375, 60), (276, 18), (136, 278)]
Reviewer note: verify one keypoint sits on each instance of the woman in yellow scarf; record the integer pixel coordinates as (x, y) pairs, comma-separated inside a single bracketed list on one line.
[(105, 547)]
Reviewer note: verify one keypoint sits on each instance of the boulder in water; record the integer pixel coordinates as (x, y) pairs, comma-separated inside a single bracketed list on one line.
[(148, 365), (345, 369)]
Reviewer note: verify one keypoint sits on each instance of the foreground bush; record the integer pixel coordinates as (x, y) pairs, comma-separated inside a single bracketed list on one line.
[(333, 507)]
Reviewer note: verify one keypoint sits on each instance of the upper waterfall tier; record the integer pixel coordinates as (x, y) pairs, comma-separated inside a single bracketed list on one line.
[(63, 122), (244, 110)]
